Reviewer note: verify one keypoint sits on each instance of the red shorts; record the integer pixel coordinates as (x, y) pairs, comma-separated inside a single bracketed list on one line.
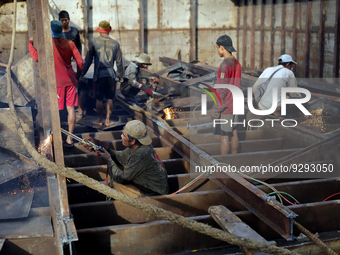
[(69, 94)]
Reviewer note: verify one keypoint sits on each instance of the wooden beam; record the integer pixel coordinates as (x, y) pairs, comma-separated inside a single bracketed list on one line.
[(232, 224)]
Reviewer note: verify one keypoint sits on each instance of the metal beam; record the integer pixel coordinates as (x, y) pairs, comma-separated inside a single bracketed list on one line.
[(312, 152), (277, 216), (307, 38), (193, 29), (336, 40), (141, 26)]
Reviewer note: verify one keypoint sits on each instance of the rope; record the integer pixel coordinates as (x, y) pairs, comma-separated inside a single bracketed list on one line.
[(315, 239)]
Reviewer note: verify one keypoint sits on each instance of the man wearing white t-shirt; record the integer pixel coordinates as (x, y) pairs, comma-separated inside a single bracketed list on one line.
[(283, 77)]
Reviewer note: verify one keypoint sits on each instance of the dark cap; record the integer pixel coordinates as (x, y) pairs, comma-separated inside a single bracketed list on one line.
[(63, 15), (226, 42)]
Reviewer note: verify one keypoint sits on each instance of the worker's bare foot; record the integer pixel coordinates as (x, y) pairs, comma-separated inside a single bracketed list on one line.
[(69, 142), (98, 122), (109, 123)]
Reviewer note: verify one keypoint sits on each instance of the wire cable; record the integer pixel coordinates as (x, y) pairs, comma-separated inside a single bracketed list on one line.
[(331, 196)]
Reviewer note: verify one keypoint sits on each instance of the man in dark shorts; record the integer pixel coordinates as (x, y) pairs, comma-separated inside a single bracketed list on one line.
[(105, 52), (229, 72), (71, 33)]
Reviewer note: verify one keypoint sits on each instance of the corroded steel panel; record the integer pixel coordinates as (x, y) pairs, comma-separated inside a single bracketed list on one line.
[(106, 10), (165, 44), (6, 17), (215, 14), (169, 14)]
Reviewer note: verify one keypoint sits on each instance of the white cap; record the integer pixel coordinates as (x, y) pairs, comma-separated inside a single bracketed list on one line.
[(285, 58)]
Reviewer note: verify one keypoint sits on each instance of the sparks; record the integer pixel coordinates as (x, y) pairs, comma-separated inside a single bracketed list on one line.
[(170, 113)]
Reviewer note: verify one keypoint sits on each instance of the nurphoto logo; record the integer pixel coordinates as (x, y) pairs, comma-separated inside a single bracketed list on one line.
[(238, 104)]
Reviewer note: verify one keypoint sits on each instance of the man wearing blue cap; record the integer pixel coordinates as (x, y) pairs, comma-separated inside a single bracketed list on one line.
[(63, 51)]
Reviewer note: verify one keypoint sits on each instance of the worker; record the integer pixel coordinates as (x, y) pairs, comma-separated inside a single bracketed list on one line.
[(133, 82), (105, 51), (71, 33), (144, 173), (229, 72), (66, 79), (281, 76)]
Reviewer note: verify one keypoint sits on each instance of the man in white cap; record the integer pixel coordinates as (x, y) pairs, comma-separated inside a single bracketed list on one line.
[(133, 82), (280, 76), (144, 173)]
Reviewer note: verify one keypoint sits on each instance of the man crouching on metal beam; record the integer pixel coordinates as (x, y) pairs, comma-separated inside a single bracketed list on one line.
[(144, 173), (133, 81)]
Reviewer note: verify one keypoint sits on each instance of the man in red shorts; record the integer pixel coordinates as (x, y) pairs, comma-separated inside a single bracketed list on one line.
[(229, 72), (63, 51)]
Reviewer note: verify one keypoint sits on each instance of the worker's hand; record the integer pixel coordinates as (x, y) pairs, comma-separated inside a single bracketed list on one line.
[(221, 108), (145, 87), (155, 79), (103, 144), (31, 39), (215, 114), (121, 80), (149, 91), (105, 155)]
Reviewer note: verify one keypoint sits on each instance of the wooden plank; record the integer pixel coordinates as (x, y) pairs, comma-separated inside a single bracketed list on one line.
[(232, 224), (26, 228)]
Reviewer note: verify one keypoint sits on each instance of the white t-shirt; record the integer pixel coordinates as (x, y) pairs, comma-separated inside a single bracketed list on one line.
[(282, 78)]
